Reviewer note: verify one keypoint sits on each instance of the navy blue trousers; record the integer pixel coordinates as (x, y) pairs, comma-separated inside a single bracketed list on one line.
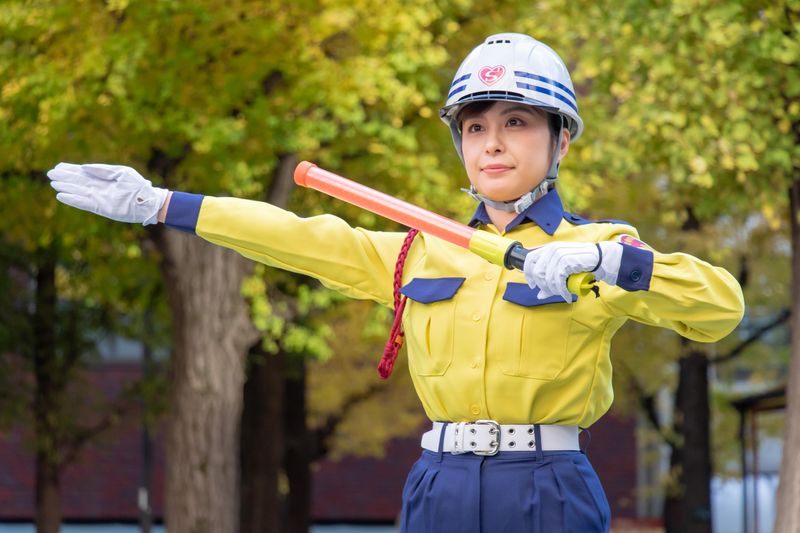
[(511, 492)]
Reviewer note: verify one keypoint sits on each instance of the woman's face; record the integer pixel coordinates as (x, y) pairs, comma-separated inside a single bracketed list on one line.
[(507, 149)]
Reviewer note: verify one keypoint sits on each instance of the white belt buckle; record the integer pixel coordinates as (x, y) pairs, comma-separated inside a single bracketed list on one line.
[(494, 431)]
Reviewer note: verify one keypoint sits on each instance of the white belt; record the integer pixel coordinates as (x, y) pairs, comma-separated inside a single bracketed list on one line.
[(487, 437)]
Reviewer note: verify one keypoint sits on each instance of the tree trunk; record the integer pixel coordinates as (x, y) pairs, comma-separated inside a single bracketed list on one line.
[(687, 508), (145, 484), (48, 496), (674, 504), (262, 444), (298, 450), (262, 437), (788, 504), (211, 333)]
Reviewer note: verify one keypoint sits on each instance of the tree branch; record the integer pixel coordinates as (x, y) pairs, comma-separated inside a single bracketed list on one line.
[(120, 409), (647, 402), (282, 183), (162, 164), (321, 435), (35, 176), (782, 317)]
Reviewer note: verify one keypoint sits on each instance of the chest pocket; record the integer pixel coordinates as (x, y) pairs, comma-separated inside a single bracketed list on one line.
[(542, 329), (429, 323)]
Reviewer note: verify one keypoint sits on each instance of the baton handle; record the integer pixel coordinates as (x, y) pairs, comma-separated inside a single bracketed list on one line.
[(581, 284), (511, 254)]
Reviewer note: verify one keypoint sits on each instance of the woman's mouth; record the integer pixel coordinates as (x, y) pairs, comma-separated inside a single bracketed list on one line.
[(496, 169)]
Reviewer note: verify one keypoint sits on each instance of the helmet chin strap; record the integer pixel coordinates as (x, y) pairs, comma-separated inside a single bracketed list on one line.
[(526, 200)]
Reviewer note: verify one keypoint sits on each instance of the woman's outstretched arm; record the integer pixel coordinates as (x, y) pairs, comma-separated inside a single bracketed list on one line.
[(354, 261)]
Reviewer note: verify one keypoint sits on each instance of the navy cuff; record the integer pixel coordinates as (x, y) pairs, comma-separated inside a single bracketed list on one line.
[(635, 269), (183, 210)]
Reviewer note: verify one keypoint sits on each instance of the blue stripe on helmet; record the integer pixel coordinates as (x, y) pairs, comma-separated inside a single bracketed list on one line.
[(545, 80), (456, 91), (459, 80), (547, 91)]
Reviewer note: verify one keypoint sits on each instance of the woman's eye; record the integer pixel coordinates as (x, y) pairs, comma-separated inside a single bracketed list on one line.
[(472, 128), (515, 122)]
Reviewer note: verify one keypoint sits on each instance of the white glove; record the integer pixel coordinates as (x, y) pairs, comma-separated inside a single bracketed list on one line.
[(114, 191), (549, 266)]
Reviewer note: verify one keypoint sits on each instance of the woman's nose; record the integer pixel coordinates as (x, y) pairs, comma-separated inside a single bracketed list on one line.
[(494, 143)]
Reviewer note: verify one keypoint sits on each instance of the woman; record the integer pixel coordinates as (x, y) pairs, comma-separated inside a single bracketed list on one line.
[(508, 366)]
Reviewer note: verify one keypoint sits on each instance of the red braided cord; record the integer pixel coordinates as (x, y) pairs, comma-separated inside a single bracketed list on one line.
[(395, 341)]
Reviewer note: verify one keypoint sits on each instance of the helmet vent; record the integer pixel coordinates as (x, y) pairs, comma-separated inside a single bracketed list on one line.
[(498, 95)]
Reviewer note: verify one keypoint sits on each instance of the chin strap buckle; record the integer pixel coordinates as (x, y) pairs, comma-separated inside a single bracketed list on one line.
[(517, 206)]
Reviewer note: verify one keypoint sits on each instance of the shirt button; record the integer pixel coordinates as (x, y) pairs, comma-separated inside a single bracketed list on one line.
[(489, 276), (635, 275), (475, 410), (475, 364), (476, 317)]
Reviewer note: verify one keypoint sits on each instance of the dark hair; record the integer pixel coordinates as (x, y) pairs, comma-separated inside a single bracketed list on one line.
[(554, 121)]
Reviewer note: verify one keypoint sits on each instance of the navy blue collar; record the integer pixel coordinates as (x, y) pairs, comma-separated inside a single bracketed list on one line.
[(546, 213)]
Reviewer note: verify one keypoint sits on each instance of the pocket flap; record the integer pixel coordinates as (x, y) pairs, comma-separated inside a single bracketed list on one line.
[(429, 290), (522, 294)]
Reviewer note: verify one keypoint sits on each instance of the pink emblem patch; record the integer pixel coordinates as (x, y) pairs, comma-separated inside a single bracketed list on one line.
[(491, 75), (630, 240)]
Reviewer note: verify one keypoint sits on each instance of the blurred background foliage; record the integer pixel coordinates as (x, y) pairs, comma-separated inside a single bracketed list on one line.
[(692, 110)]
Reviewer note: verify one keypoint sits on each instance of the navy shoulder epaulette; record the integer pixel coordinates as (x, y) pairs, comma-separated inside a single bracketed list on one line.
[(578, 220)]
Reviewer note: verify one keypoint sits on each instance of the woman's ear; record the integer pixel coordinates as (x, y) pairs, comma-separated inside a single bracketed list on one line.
[(565, 137)]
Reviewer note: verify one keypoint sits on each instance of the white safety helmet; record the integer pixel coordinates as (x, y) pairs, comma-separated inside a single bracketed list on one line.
[(517, 68)]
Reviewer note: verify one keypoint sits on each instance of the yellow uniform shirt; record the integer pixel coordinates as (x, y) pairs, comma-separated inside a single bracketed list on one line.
[(480, 344)]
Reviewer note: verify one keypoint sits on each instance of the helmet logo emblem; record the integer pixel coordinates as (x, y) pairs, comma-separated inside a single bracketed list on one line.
[(491, 75)]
